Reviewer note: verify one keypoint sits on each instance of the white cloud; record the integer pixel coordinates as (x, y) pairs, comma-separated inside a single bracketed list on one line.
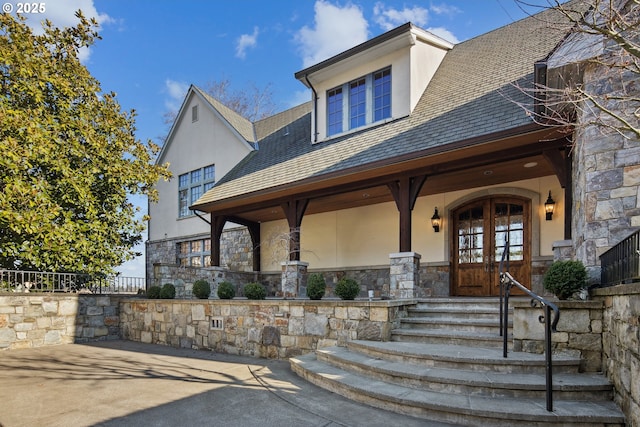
[(444, 33), (335, 29), (246, 41), (388, 18), (63, 14), (176, 91), (444, 9)]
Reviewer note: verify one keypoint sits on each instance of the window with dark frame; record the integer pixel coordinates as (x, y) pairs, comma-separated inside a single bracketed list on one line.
[(192, 185), (194, 253), (368, 101)]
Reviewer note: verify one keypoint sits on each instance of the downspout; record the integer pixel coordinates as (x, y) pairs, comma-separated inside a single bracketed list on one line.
[(315, 109), (201, 217)]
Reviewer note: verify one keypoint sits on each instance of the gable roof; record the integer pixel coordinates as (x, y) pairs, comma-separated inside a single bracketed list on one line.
[(239, 125), (469, 98)]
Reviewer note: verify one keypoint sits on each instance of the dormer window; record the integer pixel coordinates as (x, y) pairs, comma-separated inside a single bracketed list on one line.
[(368, 101)]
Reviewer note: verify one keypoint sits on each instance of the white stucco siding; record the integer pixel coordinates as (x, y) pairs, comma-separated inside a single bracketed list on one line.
[(193, 145), (425, 60)]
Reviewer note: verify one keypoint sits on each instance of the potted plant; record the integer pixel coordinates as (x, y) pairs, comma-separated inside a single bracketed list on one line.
[(565, 278)]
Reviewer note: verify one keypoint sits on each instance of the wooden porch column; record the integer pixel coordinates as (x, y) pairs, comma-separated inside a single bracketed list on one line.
[(405, 192), (254, 232), (561, 164), (217, 225), (294, 211)]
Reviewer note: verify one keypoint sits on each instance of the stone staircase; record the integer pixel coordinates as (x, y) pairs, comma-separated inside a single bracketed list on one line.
[(445, 364)]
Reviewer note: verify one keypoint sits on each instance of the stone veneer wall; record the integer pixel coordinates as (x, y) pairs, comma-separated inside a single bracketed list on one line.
[(36, 320), (579, 331), (267, 328), (621, 345), (235, 251), (606, 181)]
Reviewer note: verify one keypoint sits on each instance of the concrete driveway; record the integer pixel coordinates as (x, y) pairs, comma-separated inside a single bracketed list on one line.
[(123, 383)]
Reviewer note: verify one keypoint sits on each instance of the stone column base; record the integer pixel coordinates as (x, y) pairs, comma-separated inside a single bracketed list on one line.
[(404, 274), (294, 279)]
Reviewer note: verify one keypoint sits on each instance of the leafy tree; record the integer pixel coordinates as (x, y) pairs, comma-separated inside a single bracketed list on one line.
[(606, 42), (69, 157)]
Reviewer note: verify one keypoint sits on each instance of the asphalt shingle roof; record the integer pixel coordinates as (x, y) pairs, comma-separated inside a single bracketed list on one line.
[(470, 95)]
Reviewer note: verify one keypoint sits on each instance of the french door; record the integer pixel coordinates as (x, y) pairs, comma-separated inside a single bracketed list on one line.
[(480, 231)]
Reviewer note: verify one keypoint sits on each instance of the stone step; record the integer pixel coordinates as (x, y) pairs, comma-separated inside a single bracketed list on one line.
[(460, 303), (463, 357), (434, 336), (567, 386), (468, 324), (455, 312), (455, 408)]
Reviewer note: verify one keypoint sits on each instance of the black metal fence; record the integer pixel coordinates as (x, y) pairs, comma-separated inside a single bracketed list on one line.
[(621, 263), (38, 281)]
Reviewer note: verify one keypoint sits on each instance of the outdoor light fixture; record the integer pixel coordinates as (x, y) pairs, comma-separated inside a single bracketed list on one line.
[(435, 221), (549, 206)]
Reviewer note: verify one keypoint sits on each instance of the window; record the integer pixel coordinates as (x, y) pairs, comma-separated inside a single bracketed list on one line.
[(334, 111), (368, 101), (194, 253), (192, 185), (194, 113)]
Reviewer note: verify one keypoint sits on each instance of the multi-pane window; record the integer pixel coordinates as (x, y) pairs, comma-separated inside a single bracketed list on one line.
[(192, 185), (357, 103), (195, 253), (334, 111), (368, 101), (382, 94)]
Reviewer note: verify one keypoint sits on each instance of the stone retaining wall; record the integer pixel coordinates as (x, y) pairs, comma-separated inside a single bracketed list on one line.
[(621, 345), (36, 320), (267, 328), (579, 331)]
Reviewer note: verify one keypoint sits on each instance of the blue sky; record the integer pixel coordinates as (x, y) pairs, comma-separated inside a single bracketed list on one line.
[(152, 50)]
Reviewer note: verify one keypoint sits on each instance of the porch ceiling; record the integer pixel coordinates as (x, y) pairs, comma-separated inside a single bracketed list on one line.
[(466, 167)]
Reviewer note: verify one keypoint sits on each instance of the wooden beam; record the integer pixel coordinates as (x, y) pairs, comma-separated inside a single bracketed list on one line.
[(294, 212), (558, 162), (405, 193), (217, 225)]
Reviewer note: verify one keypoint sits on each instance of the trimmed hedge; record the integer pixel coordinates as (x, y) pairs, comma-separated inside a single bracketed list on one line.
[(316, 286), (347, 289), (255, 291), (565, 278), (201, 289), (168, 291), (226, 290)]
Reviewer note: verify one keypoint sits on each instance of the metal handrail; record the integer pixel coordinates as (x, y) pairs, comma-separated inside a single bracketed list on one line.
[(506, 283)]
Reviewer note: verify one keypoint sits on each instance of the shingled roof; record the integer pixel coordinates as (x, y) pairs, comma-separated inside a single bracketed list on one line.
[(470, 95)]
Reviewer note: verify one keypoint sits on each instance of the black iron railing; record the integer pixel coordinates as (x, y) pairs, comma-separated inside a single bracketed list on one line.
[(506, 283), (621, 263), (38, 281)]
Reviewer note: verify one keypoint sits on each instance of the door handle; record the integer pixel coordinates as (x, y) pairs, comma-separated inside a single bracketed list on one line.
[(486, 263)]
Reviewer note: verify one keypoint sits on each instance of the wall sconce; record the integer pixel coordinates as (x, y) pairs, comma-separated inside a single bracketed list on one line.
[(435, 221), (549, 206)]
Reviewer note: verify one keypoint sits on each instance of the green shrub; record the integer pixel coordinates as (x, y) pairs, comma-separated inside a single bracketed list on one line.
[(255, 291), (316, 286), (347, 288), (226, 290), (153, 292), (564, 278), (201, 289), (168, 291)]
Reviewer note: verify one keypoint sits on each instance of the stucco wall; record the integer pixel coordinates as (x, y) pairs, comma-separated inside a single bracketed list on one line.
[(367, 235)]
